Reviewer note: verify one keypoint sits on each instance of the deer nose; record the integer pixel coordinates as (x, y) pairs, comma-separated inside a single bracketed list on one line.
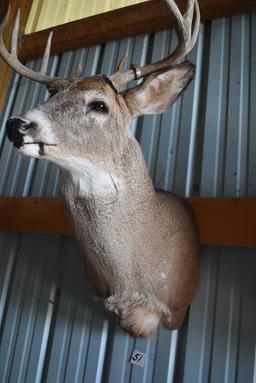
[(13, 127)]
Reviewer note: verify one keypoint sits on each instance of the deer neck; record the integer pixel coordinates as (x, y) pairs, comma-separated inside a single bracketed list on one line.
[(105, 221), (127, 177)]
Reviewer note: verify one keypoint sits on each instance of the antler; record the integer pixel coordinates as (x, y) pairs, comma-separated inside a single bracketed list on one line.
[(187, 32), (12, 60)]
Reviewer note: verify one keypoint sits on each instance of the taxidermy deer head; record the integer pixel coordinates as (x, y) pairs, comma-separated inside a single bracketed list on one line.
[(141, 246)]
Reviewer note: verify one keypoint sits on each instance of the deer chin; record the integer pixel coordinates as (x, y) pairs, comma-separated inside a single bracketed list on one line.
[(36, 149)]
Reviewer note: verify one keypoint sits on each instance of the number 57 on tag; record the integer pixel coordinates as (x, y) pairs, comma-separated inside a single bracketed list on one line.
[(138, 358)]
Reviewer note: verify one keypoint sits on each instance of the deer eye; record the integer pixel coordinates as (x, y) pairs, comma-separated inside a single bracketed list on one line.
[(98, 107)]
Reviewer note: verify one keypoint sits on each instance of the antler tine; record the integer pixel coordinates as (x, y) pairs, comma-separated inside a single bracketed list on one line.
[(46, 56), (122, 63), (187, 33), (79, 70), (15, 31), (11, 57), (196, 25), (188, 15)]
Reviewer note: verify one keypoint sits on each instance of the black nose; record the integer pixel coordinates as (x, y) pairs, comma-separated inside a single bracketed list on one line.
[(13, 127)]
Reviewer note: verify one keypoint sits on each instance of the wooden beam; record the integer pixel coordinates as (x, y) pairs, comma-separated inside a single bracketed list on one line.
[(225, 221), (215, 9), (34, 215), (124, 22), (221, 221), (5, 71), (120, 23)]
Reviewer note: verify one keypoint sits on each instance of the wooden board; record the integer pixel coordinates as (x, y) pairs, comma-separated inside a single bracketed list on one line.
[(34, 215), (5, 71), (225, 221), (221, 221), (120, 23), (125, 22)]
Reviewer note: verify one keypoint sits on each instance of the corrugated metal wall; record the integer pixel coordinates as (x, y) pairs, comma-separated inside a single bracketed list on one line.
[(51, 328)]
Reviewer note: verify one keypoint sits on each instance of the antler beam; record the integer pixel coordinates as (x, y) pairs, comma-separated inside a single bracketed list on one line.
[(11, 57)]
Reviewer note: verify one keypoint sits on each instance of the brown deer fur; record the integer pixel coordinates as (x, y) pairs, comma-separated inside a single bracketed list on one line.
[(141, 246)]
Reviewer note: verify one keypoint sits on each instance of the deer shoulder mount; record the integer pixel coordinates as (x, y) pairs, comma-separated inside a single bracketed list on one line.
[(141, 246)]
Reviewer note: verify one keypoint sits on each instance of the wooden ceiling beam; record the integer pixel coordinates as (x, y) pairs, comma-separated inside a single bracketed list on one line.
[(221, 221), (124, 22)]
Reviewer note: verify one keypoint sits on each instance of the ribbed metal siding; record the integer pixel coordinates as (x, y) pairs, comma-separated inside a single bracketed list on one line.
[(51, 328)]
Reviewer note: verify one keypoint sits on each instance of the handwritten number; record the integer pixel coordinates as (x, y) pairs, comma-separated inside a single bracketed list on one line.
[(137, 357)]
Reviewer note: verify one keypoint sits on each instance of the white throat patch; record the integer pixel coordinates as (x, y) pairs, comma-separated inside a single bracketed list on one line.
[(87, 178)]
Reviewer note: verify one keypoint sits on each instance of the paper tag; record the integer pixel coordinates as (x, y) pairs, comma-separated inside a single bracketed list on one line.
[(138, 358)]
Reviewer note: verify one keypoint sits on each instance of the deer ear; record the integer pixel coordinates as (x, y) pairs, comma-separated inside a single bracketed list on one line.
[(159, 91)]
